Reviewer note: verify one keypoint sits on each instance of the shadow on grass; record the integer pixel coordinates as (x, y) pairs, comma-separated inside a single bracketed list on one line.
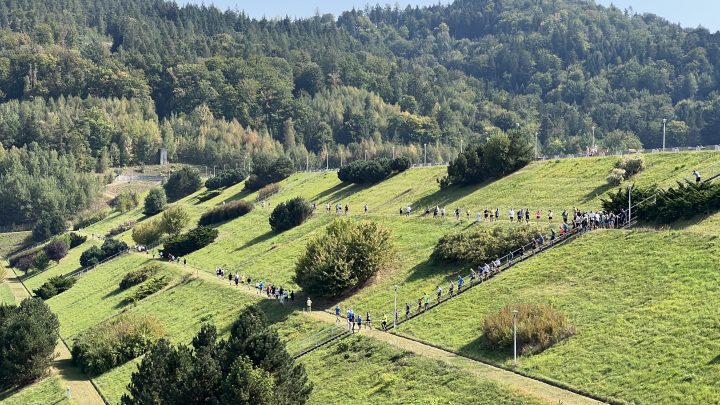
[(239, 196), (429, 268), (444, 197), (597, 192), (339, 192), (479, 350), (716, 360), (258, 239)]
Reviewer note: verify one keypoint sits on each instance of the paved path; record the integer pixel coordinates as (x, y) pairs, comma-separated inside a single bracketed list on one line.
[(82, 392), (521, 384)]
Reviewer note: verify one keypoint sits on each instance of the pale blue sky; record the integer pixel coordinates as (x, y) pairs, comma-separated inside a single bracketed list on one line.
[(689, 13)]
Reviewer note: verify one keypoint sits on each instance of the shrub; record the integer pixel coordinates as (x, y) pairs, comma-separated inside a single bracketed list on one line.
[(90, 218), (225, 212), (365, 172), (155, 202), (268, 191), (149, 288), (24, 263), (400, 164), (539, 326), (40, 261), (182, 183), (115, 342), (28, 336), (197, 238), (124, 227), (54, 286), (95, 255), (136, 277), (147, 233), (226, 178), (267, 171), (501, 155), (290, 214), (632, 165), (49, 225), (174, 220), (616, 177), (345, 257), (208, 195), (76, 240), (125, 201), (483, 245)]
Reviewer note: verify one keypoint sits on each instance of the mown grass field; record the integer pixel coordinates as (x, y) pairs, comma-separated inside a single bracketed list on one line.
[(363, 370), (6, 296), (9, 242), (643, 303), (247, 245), (47, 391)]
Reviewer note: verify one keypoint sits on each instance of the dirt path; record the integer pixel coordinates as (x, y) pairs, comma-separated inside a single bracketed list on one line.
[(521, 384), (82, 392)]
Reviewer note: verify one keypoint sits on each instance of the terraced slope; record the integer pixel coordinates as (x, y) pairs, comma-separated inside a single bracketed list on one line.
[(643, 302)]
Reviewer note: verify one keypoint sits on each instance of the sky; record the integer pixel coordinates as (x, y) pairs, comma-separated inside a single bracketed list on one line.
[(689, 13)]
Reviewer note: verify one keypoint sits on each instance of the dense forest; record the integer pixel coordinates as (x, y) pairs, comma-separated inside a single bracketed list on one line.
[(101, 83)]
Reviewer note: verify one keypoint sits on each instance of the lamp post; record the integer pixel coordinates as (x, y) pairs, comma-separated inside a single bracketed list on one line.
[(393, 151), (461, 146), (395, 316), (593, 141), (366, 155), (425, 146), (664, 122), (629, 205), (327, 159), (536, 146), (515, 312)]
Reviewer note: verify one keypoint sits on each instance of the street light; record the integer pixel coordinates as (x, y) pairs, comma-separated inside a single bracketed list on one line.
[(395, 318), (461, 146), (593, 142), (629, 205), (515, 312), (664, 122), (536, 146), (425, 145)]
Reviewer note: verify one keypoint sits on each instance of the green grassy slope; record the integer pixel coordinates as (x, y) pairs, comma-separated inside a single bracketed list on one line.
[(10, 242), (48, 391), (645, 308), (363, 370), (6, 296)]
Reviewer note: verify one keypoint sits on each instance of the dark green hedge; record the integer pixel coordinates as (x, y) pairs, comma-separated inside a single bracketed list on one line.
[(372, 171), (225, 212), (225, 178), (290, 214), (189, 242)]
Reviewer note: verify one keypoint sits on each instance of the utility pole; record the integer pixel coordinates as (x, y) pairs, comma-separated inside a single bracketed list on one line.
[(461, 146), (366, 155), (395, 317), (425, 155), (664, 122), (629, 205), (307, 161), (593, 141), (327, 159), (393, 151), (536, 146), (515, 312)]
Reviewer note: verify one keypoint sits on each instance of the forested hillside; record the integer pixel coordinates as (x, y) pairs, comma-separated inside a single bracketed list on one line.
[(106, 82)]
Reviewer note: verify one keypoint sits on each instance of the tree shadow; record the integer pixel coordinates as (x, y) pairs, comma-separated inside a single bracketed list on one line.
[(598, 191), (444, 197), (258, 239), (716, 360), (429, 268), (340, 192), (240, 196), (478, 350)]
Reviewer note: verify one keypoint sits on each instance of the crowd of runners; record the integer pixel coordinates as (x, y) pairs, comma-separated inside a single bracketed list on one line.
[(278, 293)]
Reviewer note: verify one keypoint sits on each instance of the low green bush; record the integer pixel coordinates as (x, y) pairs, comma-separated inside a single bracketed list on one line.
[(483, 245), (125, 201), (149, 288), (90, 218), (539, 326), (54, 286), (616, 177), (268, 191), (136, 277), (267, 170), (225, 212), (115, 342), (95, 255), (372, 171), (290, 214), (124, 227), (155, 202), (344, 258), (191, 241), (182, 183), (631, 164), (208, 195), (147, 233), (225, 178), (76, 240)]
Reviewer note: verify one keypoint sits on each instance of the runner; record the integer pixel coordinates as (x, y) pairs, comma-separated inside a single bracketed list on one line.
[(439, 294), (407, 310), (427, 300), (367, 320), (337, 313)]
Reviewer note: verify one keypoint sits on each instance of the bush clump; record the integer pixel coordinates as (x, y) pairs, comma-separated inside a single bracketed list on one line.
[(49, 225), (28, 335), (182, 183), (95, 255), (225, 178), (225, 212), (124, 227), (208, 195), (345, 257), (290, 214), (40, 261), (115, 342), (155, 202), (482, 246), (149, 288), (539, 326), (372, 171), (268, 191), (616, 177), (267, 170), (56, 250), (54, 286), (76, 240), (632, 165), (191, 241), (125, 201), (136, 277)]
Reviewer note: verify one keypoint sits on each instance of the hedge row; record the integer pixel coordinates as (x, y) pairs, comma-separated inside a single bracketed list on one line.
[(136, 277), (191, 241), (225, 212), (372, 171), (54, 286), (225, 178), (95, 255), (482, 246)]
